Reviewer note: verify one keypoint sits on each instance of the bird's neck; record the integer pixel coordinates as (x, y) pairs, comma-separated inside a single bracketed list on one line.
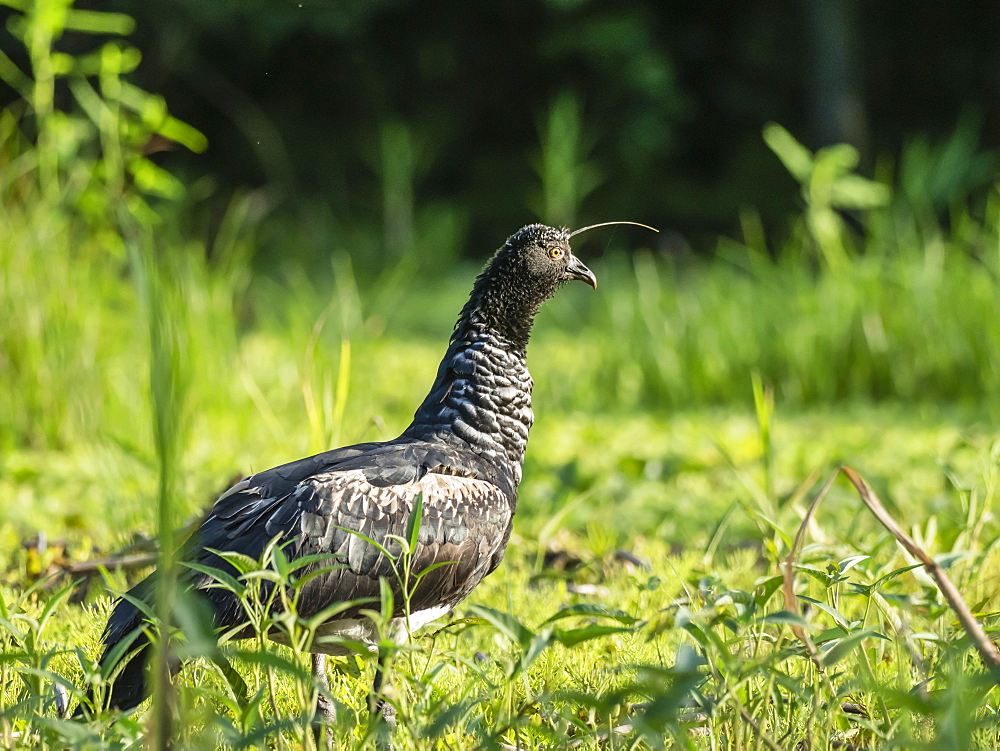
[(481, 398), (505, 311)]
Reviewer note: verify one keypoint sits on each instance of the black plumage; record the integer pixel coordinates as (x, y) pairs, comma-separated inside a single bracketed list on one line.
[(462, 454)]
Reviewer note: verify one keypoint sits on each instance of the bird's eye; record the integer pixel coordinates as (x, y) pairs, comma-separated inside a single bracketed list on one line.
[(556, 253)]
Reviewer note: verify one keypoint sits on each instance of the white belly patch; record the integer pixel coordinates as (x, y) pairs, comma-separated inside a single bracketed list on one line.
[(363, 631)]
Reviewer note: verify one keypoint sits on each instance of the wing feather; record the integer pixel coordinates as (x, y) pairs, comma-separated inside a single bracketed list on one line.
[(318, 504)]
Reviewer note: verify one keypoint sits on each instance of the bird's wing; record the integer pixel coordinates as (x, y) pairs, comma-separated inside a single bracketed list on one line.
[(238, 519), (464, 527), (329, 506)]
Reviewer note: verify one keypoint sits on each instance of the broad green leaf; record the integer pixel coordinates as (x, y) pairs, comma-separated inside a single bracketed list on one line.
[(834, 632), (266, 575), (335, 561), (572, 637), (538, 644), (381, 548), (767, 587), (819, 575), (386, 599), (506, 624), (280, 561), (220, 579), (434, 566), (796, 157), (414, 521), (838, 617), (856, 192), (837, 159), (893, 574), (242, 563), (593, 610), (327, 614), (843, 647), (848, 563), (787, 618), (233, 679)]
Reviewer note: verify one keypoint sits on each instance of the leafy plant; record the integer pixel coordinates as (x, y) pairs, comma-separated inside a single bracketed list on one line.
[(567, 176), (829, 187)]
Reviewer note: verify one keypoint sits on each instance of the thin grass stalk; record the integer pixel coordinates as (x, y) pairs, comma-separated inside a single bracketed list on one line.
[(988, 651), (166, 394), (788, 584)]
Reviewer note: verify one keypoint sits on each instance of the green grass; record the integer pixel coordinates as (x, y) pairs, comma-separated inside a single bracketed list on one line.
[(647, 441), (595, 483), (695, 603)]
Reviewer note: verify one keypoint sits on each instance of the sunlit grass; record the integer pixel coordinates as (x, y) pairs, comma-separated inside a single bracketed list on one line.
[(658, 492), (629, 454)]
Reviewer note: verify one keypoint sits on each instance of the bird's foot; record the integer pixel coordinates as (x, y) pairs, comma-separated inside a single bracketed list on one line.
[(326, 708), (383, 718), (324, 721), (388, 712)]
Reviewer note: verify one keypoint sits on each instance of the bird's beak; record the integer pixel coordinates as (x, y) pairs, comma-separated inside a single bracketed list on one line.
[(576, 270)]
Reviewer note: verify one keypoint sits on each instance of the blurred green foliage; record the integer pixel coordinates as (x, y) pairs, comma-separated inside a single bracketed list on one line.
[(77, 188), (84, 155), (854, 300), (829, 187), (296, 97), (382, 121)]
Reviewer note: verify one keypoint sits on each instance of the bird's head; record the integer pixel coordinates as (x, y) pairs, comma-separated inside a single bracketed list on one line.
[(533, 263), (541, 254)]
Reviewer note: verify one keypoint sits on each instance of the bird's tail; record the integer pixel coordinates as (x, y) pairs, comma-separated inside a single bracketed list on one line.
[(125, 640)]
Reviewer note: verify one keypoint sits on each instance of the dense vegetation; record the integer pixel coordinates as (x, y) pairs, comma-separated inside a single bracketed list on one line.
[(688, 413), (361, 116)]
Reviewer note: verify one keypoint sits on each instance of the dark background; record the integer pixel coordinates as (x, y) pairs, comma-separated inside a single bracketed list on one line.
[(294, 97)]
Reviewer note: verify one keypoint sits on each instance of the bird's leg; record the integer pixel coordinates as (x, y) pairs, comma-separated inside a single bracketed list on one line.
[(326, 708), (382, 712)]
